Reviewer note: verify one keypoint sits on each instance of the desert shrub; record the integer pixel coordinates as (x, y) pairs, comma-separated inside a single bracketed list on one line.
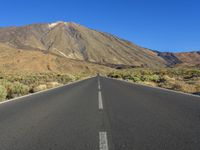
[(154, 78), (167, 78), (65, 78), (21, 84), (53, 84), (126, 76), (17, 89), (40, 88), (136, 79), (3, 93), (114, 75), (181, 79), (149, 83), (182, 86), (7, 84), (197, 87)]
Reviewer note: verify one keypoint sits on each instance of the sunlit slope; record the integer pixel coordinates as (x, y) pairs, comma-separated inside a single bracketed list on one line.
[(75, 41)]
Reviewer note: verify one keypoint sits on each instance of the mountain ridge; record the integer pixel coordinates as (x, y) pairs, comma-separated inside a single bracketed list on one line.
[(74, 41)]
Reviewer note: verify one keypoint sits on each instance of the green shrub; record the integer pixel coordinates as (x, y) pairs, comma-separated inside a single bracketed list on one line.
[(17, 89), (154, 78), (136, 79), (6, 84), (3, 93), (126, 76)]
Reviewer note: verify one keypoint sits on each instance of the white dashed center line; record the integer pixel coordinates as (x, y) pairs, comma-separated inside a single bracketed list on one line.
[(99, 86), (103, 142), (100, 101), (100, 96)]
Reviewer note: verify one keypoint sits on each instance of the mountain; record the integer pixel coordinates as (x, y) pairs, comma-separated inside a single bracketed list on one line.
[(74, 41), (14, 60), (61, 45), (191, 58), (181, 58)]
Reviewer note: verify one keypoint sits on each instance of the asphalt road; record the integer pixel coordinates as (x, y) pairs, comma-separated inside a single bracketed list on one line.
[(101, 115)]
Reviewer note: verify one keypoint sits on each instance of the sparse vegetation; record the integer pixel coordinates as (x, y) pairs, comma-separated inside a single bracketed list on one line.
[(180, 79), (14, 85), (17, 89), (186, 80), (3, 93)]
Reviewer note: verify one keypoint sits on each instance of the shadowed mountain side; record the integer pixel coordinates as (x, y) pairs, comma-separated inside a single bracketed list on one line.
[(191, 58), (181, 58)]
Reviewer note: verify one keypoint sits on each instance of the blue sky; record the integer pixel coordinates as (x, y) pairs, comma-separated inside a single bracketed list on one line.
[(165, 25)]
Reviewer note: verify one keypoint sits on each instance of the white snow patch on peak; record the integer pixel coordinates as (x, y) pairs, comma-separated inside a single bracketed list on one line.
[(51, 25)]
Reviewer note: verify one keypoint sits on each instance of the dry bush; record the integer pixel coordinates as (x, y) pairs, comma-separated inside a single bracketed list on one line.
[(40, 88), (184, 87), (3, 93), (53, 84), (181, 79), (17, 89)]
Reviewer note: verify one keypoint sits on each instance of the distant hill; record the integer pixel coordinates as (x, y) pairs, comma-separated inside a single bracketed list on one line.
[(181, 58), (72, 42)]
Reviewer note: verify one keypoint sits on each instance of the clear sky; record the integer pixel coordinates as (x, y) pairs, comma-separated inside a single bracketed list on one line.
[(165, 25)]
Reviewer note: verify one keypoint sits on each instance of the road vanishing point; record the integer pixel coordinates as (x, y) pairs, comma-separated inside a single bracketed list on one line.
[(101, 114)]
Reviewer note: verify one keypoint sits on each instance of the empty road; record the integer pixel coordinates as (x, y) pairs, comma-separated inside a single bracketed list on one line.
[(101, 114)]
